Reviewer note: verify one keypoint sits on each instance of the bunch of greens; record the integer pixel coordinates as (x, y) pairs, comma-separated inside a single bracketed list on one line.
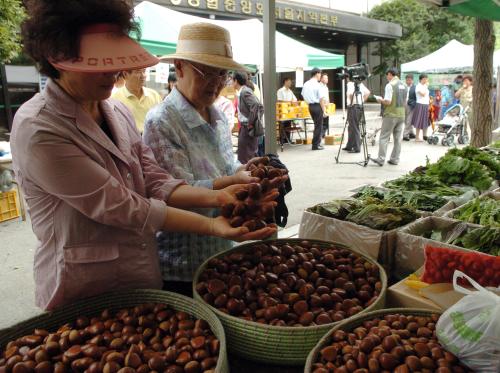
[(483, 211), (418, 181), (451, 169), (337, 209), (420, 200), (484, 239), (481, 156), (380, 215), (370, 212)]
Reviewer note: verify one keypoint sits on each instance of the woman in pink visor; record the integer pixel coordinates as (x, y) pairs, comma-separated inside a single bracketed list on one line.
[(94, 191)]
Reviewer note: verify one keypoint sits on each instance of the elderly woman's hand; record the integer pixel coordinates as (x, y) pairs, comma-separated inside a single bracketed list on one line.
[(222, 228), (228, 194), (244, 177)]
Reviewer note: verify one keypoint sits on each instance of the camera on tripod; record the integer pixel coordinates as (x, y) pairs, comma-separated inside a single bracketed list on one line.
[(356, 73)]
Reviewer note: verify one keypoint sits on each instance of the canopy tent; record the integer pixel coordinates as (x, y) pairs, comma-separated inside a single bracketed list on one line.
[(160, 28), (451, 58), (485, 9)]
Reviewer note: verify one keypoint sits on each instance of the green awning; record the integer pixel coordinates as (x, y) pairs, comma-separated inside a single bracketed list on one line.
[(330, 61), (158, 48), (486, 9)]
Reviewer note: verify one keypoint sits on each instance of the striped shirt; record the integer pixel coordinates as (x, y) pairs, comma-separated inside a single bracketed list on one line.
[(189, 148)]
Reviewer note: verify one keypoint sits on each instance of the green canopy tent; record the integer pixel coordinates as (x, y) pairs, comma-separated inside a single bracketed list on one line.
[(484, 9), (160, 28)]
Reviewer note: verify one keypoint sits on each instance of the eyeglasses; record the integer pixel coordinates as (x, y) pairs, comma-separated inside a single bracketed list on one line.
[(220, 75)]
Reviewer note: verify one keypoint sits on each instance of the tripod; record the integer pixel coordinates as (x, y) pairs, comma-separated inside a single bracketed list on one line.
[(358, 96)]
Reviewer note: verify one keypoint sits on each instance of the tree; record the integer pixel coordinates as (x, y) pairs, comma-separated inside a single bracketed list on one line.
[(482, 120), (425, 29), (11, 15)]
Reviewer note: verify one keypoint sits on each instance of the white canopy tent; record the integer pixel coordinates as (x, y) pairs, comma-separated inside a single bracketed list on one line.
[(161, 25), (453, 57)]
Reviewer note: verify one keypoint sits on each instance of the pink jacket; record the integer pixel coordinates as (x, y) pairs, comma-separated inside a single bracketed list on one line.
[(95, 205)]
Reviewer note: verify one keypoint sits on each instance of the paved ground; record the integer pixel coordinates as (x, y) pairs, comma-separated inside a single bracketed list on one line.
[(315, 178)]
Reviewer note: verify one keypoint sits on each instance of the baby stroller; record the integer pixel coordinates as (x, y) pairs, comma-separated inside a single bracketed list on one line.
[(453, 125)]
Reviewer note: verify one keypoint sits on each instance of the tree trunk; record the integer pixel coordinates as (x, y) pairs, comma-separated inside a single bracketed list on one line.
[(482, 120)]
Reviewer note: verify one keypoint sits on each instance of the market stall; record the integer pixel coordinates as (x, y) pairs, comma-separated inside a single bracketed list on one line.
[(279, 304)]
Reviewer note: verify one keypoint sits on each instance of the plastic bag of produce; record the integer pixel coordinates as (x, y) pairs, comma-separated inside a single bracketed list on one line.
[(470, 328)]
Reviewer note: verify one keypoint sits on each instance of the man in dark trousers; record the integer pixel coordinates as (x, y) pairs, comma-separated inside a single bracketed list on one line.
[(311, 92), (410, 106)]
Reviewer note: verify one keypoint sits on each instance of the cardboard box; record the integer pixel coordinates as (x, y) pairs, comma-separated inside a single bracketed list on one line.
[(401, 296), (309, 141), (332, 140)]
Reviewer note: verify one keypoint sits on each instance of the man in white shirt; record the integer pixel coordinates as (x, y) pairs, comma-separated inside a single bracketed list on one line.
[(311, 92), (394, 101), (325, 95), (285, 93), (354, 105)]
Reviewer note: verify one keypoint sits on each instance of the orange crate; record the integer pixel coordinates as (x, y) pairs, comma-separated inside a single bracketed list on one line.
[(9, 207)]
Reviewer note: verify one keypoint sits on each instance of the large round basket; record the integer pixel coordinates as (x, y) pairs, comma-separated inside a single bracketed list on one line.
[(280, 345), (114, 301), (354, 322)]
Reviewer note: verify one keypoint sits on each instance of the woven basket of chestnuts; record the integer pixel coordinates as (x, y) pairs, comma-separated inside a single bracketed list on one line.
[(136, 331), (399, 340), (277, 298)]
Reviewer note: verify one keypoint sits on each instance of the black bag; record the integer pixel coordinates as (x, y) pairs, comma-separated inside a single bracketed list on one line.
[(281, 210), (253, 110)]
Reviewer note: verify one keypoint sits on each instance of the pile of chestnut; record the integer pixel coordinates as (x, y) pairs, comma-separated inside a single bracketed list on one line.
[(249, 211), (395, 343), (145, 338), (290, 284)]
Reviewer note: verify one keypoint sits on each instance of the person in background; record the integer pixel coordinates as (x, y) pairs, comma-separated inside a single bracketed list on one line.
[(464, 94), (285, 94), (325, 96), (411, 102), (446, 98), (354, 115), (96, 195), (420, 118), (171, 82), (393, 122), (227, 108), (136, 97), (248, 103), (311, 92), (120, 82), (457, 83), (189, 138)]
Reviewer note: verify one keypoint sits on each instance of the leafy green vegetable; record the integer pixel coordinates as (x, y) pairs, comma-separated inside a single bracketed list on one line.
[(418, 181), (480, 156), (451, 169), (485, 240), (337, 209), (371, 212), (382, 216), (483, 211), (418, 200)]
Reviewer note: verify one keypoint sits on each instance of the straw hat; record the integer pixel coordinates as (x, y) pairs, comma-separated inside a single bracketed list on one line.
[(206, 44), (105, 48)]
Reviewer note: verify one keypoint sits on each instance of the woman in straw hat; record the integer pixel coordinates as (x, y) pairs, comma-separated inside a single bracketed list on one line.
[(95, 193), (189, 138)]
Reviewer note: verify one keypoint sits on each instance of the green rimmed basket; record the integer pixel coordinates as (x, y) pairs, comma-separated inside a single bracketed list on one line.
[(280, 345), (117, 300), (354, 322)]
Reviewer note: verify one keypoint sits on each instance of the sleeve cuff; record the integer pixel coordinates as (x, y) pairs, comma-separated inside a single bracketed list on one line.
[(208, 184), (156, 215)]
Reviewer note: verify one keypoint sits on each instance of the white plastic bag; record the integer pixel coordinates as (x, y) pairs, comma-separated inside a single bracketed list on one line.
[(470, 328)]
